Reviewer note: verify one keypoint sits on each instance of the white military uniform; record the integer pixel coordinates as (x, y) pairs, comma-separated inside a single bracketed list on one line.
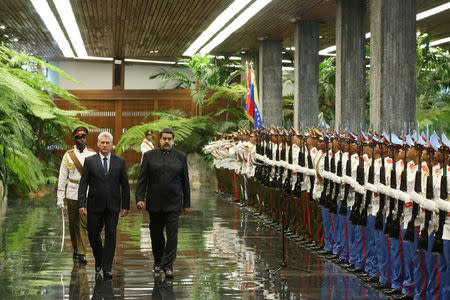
[(69, 175), (146, 146)]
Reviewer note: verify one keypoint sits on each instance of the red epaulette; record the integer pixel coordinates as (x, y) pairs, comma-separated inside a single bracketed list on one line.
[(70, 150), (91, 149)]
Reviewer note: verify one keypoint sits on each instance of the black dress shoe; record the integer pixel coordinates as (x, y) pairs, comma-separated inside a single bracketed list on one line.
[(332, 256), (369, 279), (168, 273), (156, 269), (82, 259), (75, 255), (391, 291), (107, 275), (323, 252), (339, 261), (400, 297), (98, 268), (362, 274), (379, 285)]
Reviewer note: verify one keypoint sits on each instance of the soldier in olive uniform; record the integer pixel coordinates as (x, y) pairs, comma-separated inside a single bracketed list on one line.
[(68, 182)]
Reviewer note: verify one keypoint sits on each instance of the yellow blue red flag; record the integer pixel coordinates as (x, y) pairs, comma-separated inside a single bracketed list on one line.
[(251, 102)]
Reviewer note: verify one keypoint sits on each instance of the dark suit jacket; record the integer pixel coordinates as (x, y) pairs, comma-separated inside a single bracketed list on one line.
[(104, 190), (164, 181)]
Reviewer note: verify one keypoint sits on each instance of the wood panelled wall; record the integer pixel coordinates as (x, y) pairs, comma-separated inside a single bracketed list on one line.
[(117, 110)]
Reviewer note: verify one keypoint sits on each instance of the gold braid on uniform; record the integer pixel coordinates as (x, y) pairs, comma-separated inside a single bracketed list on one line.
[(316, 167), (68, 164)]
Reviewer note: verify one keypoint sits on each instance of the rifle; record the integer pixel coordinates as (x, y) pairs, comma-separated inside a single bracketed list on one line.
[(332, 205), (259, 152), (379, 218), (438, 244), (301, 162), (393, 185), (370, 180), (348, 172), (287, 181), (395, 231), (282, 158), (355, 216), (423, 240), (337, 185), (409, 234), (312, 177), (323, 196)]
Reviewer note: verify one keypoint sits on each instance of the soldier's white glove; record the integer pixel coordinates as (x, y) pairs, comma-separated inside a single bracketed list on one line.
[(60, 203)]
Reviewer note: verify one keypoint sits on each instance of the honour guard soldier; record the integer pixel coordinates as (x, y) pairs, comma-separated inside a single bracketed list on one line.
[(68, 182), (147, 144)]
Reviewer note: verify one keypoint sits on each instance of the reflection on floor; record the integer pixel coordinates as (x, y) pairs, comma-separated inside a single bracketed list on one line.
[(223, 253)]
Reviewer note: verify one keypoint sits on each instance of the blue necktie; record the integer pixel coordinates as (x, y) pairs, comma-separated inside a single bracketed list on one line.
[(105, 164)]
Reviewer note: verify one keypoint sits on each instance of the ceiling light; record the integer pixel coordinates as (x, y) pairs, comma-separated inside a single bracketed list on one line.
[(42, 8), (216, 25), (95, 58), (283, 52), (153, 51), (15, 39), (286, 61), (235, 58), (242, 52), (441, 41), (420, 16), (433, 11), (6, 36), (2, 27), (66, 13), (243, 18), (151, 61)]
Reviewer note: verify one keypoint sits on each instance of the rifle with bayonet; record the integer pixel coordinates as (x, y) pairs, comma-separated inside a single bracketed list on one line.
[(312, 178), (423, 240), (395, 230), (379, 218), (438, 244), (337, 185), (301, 162), (409, 234), (393, 177), (355, 217), (371, 180), (323, 196), (287, 181), (332, 205), (348, 172)]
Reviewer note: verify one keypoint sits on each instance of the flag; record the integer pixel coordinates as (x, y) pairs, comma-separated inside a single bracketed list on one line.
[(251, 101)]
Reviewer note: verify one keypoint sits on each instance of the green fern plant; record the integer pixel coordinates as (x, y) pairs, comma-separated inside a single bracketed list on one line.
[(31, 125)]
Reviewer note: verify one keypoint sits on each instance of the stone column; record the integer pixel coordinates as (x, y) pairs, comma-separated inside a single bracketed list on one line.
[(350, 104), (306, 73), (270, 83), (392, 63)]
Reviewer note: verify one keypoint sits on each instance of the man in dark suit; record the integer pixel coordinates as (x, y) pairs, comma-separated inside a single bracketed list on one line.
[(106, 176), (164, 182)]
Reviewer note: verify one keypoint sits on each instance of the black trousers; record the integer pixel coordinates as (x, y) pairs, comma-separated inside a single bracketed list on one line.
[(164, 252), (104, 255)]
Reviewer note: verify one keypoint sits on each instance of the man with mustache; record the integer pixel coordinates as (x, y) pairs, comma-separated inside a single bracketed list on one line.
[(164, 183)]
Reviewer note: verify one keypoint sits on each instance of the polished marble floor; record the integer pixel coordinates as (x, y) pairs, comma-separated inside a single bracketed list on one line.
[(223, 253)]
